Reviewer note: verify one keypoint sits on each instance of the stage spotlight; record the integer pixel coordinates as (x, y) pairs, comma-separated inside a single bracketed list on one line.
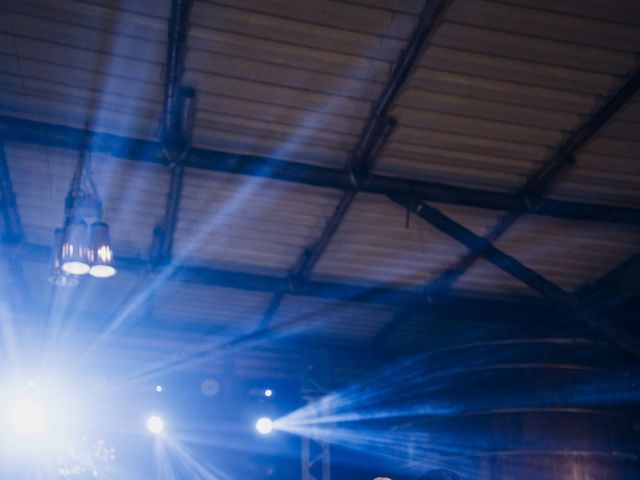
[(159, 388), (155, 424), (264, 425), (27, 417), (268, 392)]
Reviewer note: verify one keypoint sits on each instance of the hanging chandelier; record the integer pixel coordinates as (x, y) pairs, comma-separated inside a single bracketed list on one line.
[(80, 249)]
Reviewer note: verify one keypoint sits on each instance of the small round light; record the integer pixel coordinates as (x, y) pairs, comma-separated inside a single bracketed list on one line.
[(155, 424), (264, 425), (159, 388), (268, 392), (102, 271), (76, 268)]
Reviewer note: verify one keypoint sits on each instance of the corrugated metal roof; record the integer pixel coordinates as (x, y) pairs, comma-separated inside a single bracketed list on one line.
[(233, 311), (246, 223), (341, 321), (570, 253), (500, 86), (293, 83)]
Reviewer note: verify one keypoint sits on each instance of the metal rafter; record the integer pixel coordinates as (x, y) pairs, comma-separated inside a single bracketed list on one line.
[(126, 148), (538, 184), (337, 291)]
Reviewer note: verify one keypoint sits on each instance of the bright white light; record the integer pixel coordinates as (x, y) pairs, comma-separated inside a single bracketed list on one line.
[(37, 417), (102, 271), (76, 268), (27, 417), (159, 388), (155, 424), (264, 425), (268, 392)]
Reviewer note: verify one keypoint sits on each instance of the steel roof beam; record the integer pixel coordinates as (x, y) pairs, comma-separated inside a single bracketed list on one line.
[(126, 148), (339, 291)]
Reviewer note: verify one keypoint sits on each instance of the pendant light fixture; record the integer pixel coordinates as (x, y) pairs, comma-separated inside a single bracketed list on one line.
[(74, 255), (58, 277), (100, 253), (78, 249)]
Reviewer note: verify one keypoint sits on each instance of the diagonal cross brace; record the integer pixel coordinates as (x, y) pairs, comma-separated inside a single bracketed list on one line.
[(483, 248), (537, 185)]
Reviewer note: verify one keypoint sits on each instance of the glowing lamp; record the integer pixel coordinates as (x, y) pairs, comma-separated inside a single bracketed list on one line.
[(100, 253), (264, 425), (58, 277), (73, 254), (268, 392), (27, 417), (155, 424)]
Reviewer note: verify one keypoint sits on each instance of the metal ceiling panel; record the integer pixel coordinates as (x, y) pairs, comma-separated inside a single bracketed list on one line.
[(247, 223), (231, 311), (569, 253), (338, 321), (295, 83)]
